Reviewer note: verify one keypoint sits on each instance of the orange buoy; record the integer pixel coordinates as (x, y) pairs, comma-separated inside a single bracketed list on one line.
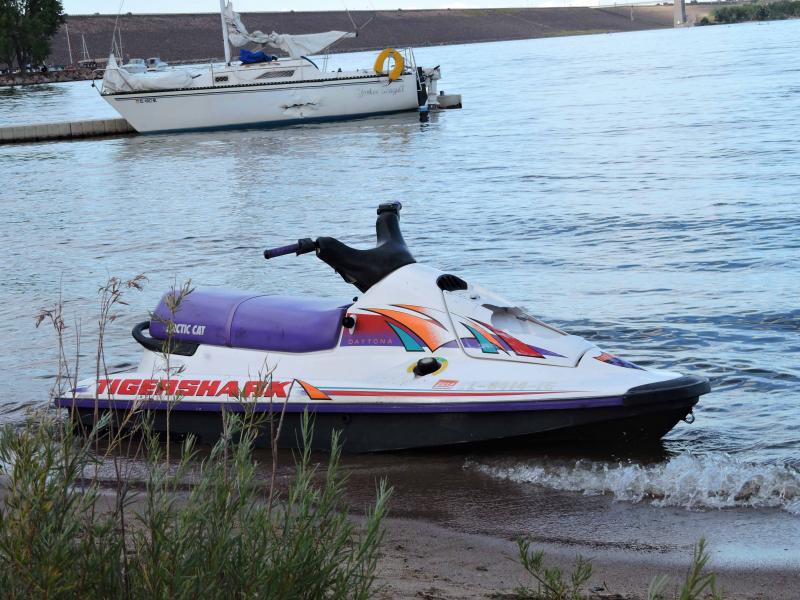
[(399, 63)]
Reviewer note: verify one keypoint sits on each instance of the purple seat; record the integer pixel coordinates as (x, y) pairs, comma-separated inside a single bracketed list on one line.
[(245, 320)]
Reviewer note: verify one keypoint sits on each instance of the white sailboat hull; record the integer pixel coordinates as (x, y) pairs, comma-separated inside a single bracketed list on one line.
[(264, 105)]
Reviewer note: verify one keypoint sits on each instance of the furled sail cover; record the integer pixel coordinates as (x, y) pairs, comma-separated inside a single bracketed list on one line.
[(294, 45), (117, 79)]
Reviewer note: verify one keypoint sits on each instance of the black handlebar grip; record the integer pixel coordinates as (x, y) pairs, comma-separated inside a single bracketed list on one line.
[(301, 247), (280, 251)]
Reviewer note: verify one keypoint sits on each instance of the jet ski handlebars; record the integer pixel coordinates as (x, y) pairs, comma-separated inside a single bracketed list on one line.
[(362, 268)]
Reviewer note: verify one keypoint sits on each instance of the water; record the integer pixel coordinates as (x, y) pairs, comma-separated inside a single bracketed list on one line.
[(637, 189)]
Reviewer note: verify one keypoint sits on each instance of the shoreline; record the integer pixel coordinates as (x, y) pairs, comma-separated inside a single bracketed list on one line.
[(27, 79), (423, 559), (430, 558), (193, 38), (22, 79), (452, 531)]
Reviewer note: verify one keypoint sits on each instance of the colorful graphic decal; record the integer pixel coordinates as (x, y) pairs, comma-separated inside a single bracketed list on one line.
[(216, 388), (424, 311), (500, 340), (489, 344), (407, 340), (613, 360), (433, 334), (425, 329), (210, 388), (313, 392), (376, 330)]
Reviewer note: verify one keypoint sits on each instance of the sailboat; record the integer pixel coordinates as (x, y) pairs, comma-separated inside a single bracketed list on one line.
[(263, 90)]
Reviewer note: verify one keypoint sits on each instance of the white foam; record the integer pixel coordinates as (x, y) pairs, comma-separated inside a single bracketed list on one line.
[(693, 482)]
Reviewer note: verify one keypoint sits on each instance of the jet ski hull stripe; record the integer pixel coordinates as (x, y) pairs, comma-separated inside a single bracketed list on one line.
[(346, 407)]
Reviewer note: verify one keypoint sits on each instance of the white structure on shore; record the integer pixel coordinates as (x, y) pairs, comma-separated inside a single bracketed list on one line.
[(679, 13)]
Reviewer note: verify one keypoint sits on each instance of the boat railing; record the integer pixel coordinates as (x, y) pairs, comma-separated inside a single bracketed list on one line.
[(410, 59)]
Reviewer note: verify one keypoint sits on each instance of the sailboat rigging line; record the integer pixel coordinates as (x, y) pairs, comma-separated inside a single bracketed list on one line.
[(69, 46), (114, 32), (349, 16), (364, 26), (357, 27)]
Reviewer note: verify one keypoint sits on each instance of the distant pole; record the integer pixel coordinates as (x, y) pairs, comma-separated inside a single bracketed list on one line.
[(69, 46), (679, 12), (225, 32)]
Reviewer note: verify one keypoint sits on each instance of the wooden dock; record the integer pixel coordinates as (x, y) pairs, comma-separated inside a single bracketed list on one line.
[(64, 131)]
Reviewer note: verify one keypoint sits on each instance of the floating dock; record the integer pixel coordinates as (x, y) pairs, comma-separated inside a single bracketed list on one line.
[(64, 131)]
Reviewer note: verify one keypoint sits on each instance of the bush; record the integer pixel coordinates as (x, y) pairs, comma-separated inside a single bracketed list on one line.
[(551, 583), (63, 536)]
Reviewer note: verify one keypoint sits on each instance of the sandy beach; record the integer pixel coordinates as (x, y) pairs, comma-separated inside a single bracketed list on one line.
[(468, 550), (423, 560)]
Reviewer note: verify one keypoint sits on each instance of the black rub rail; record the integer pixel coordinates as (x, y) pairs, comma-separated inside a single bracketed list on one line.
[(686, 389)]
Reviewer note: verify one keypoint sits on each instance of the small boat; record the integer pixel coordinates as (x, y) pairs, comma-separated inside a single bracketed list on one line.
[(264, 90), (135, 66), (156, 64), (421, 358)]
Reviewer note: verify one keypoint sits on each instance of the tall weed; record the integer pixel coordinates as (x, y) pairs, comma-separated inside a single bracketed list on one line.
[(63, 535)]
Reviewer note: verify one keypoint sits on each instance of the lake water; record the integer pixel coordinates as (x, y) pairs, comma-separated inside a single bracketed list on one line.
[(638, 189)]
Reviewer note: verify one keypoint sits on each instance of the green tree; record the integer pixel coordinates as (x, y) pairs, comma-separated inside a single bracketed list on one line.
[(26, 28), (7, 24)]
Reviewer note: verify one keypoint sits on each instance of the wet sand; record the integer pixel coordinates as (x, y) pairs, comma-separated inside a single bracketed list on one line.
[(453, 530)]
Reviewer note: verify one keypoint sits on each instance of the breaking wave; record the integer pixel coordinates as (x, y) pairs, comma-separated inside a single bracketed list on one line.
[(693, 482)]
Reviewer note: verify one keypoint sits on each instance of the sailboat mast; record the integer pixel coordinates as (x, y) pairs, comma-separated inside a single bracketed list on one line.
[(225, 33), (118, 42), (69, 46)]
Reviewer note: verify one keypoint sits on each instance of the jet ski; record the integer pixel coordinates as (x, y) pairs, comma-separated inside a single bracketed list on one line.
[(421, 358)]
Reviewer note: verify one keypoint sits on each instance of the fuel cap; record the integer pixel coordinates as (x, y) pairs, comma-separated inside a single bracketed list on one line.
[(426, 366)]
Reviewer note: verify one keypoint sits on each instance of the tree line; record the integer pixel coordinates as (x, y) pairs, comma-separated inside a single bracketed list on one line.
[(26, 29), (760, 11)]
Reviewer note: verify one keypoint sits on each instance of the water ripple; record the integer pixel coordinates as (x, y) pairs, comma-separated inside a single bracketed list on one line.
[(644, 205)]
